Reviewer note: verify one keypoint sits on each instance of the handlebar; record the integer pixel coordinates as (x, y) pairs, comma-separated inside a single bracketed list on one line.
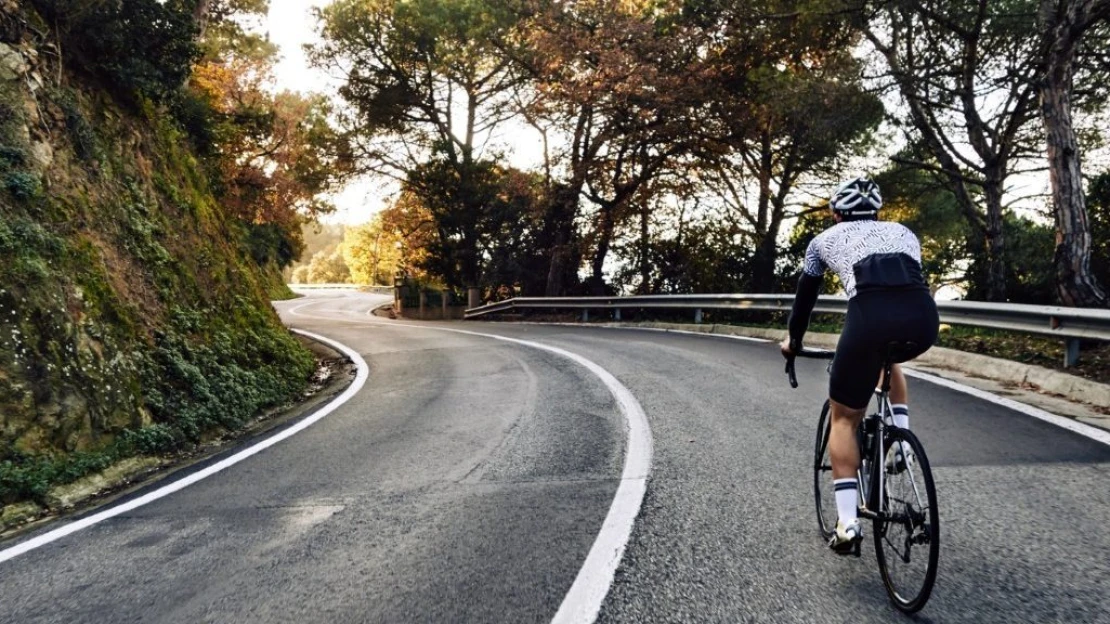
[(816, 354)]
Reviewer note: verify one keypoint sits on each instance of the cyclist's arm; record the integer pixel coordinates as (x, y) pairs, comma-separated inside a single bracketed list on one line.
[(809, 286)]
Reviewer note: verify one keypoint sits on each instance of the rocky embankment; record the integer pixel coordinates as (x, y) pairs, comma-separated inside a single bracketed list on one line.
[(132, 321)]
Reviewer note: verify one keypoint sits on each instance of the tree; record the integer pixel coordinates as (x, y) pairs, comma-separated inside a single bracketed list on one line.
[(614, 82), (685, 246), (415, 228), (142, 48), (916, 199), (426, 79), (965, 71), (1098, 203), (219, 22), (789, 108), (316, 237), (272, 157), (1063, 25), (324, 268), (373, 252)]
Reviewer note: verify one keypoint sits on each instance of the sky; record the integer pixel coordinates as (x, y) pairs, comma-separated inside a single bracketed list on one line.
[(290, 24)]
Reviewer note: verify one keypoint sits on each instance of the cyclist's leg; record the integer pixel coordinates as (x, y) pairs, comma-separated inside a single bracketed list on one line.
[(844, 457), (899, 397), (851, 384), (843, 447), (899, 454)]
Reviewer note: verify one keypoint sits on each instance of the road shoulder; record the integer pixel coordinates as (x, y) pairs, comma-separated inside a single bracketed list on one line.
[(335, 372), (1055, 392)]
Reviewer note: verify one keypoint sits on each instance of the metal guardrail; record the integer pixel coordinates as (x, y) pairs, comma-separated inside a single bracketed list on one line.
[(377, 290), (1069, 324)]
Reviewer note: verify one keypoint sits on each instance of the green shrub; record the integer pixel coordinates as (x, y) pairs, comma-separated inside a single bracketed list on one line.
[(143, 48), (22, 185), (12, 157), (81, 133), (157, 439)]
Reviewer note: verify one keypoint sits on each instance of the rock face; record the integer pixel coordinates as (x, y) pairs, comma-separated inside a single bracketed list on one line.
[(131, 317), (12, 65)]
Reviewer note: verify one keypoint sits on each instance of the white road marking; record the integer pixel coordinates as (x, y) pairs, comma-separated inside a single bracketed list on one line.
[(1088, 431), (646, 329), (84, 523), (1075, 426), (582, 602), (688, 333)]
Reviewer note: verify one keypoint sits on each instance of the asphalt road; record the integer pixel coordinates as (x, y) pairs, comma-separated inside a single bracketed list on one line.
[(469, 478)]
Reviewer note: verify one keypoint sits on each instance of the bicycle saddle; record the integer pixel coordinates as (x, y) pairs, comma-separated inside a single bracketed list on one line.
[(900, 351)]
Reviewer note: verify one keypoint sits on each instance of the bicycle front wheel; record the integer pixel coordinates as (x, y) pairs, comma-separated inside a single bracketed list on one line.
[(907, 533), (822, 477)]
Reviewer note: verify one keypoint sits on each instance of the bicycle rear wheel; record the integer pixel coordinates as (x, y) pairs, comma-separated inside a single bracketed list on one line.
[(907, 538), (822, 477)]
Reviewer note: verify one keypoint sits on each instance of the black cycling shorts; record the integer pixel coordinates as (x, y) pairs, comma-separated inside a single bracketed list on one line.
[(875, 319)]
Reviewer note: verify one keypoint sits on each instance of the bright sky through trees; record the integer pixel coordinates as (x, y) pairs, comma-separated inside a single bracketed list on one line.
[(291, 25)]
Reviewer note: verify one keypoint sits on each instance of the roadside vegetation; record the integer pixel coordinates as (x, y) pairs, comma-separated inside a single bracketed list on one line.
[(152, 191), (155, 189)]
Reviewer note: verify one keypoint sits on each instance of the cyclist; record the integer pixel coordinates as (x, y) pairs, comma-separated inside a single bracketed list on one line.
[(879, 266)]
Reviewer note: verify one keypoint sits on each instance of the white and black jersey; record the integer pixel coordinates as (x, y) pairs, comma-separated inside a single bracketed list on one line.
[(845, 244), (879, 264)]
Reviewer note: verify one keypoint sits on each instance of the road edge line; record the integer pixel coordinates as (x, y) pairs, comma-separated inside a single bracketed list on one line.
[(1083, 429), (1088, 431), (84, 523), (582, 602)]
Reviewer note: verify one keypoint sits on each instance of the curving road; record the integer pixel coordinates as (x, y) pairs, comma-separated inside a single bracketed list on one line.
[(469, 478)]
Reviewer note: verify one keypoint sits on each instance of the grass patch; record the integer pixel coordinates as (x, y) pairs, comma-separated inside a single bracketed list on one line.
[(27, 477)]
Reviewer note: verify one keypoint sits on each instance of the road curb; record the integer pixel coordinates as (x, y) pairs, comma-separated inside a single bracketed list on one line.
[(1068, 386), (102, 489)]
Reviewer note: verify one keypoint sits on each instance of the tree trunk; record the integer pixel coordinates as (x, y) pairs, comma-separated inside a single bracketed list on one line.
[(561, 214), (763, 264), (200, 16), (606, 225), (996, 243), (1076, 285), (645, 251)]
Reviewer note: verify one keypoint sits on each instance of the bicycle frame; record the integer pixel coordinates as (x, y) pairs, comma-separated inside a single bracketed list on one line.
[(900, 502), (873, 447)]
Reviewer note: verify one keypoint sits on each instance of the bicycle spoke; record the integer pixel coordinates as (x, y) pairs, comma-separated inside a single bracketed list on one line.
[(907, 546)]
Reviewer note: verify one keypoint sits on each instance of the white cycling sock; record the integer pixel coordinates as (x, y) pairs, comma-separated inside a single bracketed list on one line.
[(901, 413), (847, 499)]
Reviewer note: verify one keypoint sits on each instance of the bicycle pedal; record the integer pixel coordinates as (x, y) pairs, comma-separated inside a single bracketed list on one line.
[(848, 549)]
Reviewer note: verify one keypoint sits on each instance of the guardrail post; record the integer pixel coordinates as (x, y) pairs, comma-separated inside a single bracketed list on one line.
[(616, 314), (1071, 352), (585, 315), (473, 297), (697, 316)]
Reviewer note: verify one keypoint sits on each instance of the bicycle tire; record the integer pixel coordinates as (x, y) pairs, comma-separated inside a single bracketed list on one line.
[(823, 493), (909, 523)]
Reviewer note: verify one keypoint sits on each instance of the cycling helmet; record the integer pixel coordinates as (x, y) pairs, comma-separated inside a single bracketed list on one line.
[(857, 198)]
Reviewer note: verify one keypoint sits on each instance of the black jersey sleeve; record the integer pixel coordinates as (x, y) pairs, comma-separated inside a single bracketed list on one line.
[(809, 286)]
